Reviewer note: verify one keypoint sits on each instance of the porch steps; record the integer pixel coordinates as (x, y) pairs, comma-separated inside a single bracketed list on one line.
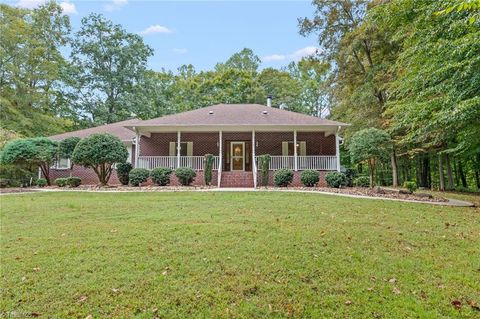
[(237, 179)]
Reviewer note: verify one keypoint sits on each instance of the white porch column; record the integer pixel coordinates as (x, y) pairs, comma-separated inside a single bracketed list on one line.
[(295, 155), (179, 147), (254, 163), (337, 149), (220, 158), (137, 148)]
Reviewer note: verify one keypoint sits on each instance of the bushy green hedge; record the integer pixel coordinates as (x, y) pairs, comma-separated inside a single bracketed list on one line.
[(61, 182), (138, 176), (263, 166), (123, 171), (310, 177), (410, 185), (362, 181), (283, 177), (208, 167), (161, 175), (41, 182), (74, 181), (350, 174), (185, 175), (336, 179), (14, 176)]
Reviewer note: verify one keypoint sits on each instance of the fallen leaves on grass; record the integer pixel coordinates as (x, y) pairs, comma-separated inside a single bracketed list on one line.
[(396, 291), (89, 317), (348, 302), (392, 281), (82, 299), (457, 304), (474, 305), (36, 269)]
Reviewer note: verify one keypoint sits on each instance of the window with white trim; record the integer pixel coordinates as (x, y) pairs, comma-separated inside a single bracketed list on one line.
[(288, 148), (61, 163), (186, 149)]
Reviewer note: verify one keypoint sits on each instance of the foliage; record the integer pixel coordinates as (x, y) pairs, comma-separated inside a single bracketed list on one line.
[(410, 185), (30, 153), (371, 146), (362, 181), (264, 166), (336, 179), (350, 173), (310, 177), (31, 69), (41, 182), (161, 175), (208, 166), (108, 63), (283, 177), (138, 176), (6, 136), (123, 170), (66, 146), (16, 176), (73, 181), (4, 182), (61, 182), (185, 175), (100, 152)]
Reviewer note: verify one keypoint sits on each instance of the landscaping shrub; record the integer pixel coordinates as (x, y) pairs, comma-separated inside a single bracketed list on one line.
[(207, 172), (310, 177), (73, 181), (283, 177), (410, 185), (41, 182), (61, 182), (4, 182), (161, 175), (362, 181), (264, 165), (185, 175), (138, 176), (15, 176), (350, 174), (123, 171), (336, 179)]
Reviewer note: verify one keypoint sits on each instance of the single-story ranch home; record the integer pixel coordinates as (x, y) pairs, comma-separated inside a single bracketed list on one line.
[(236, 134)]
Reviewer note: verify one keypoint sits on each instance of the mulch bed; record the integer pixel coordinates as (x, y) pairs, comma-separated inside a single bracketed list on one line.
[(17, 190)]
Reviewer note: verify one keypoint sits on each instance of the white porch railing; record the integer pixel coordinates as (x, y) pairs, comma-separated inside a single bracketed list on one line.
[(195, 162), (321, 163)]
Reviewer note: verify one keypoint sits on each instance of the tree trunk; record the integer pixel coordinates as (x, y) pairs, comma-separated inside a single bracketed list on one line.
[(449, 174), (440, 173), (45, 168), (462, 174), (455, 168), (371, 168), (424, 170), (394, 169)]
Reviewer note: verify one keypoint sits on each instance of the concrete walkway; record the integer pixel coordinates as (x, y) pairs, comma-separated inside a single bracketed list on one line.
[(449, 202)]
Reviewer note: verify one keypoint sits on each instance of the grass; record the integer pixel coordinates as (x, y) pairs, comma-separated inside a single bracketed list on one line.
[(235, 255)]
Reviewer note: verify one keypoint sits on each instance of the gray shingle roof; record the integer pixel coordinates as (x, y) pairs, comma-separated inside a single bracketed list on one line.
[(117, 129), (238, 114)]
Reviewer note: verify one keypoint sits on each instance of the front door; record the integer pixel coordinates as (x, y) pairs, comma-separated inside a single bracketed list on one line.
[(237, 149)]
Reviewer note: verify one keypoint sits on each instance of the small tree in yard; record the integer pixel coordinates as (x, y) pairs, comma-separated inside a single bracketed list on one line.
[(66, 147), (371, 146), (208, 164), (39, 151), (100, 152)]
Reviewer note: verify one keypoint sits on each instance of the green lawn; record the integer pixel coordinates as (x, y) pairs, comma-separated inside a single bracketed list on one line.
[(235, 255)]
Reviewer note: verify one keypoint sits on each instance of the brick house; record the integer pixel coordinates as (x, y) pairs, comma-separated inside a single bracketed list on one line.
[(236, 134)]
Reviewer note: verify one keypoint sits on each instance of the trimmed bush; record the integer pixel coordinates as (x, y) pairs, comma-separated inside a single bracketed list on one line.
[(4, 182), (41, 182), (74, 181), (410, 185), (362, 181), (336, 179), (310, 177), (123, 170), (207, 173), (138, 176), (283, 177), (61, 182), (350, 174), (16, 176), (264, 164), (161, 175), (185, 175)]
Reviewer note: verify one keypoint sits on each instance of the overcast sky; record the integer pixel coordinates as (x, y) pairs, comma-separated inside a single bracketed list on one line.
[(204, 33)]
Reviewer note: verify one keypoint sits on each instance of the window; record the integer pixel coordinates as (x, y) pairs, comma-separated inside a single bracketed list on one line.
[(288, 148), (61, 163), (186, 149)]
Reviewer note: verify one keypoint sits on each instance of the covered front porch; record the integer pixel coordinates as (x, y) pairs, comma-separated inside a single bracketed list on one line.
[(236, 151)]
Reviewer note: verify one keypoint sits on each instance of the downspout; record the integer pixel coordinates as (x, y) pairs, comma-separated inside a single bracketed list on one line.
[(337, 148), (137, 148)]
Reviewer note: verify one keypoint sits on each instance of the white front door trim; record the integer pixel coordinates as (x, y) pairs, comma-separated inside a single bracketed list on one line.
[(232, 157)]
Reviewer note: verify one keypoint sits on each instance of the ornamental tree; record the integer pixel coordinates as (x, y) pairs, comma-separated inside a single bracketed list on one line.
[(39, 151), (100, 152), (370, 145), (66, 147)]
